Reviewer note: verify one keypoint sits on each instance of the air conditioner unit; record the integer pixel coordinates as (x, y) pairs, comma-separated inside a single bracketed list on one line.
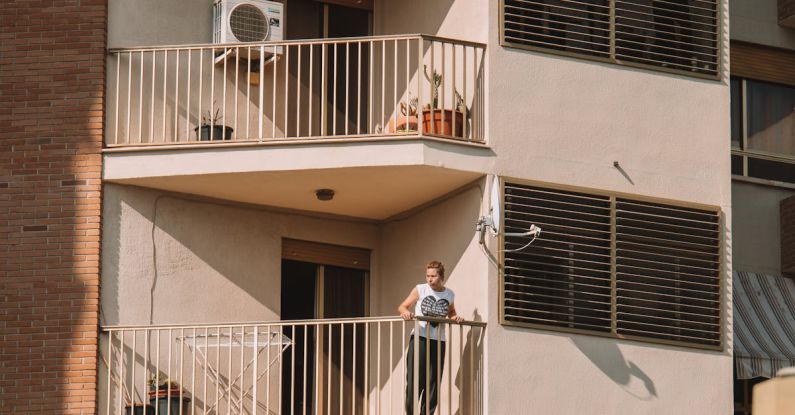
[(248, 21)]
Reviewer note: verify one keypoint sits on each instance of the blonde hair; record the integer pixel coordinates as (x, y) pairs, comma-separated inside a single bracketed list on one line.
[(438, 266)]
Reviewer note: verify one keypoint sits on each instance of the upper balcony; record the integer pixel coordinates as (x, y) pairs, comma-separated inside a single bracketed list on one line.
[(409, 86), (217, 120)]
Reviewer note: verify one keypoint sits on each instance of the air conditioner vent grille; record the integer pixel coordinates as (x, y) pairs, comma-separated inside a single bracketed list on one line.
[(248, 23)]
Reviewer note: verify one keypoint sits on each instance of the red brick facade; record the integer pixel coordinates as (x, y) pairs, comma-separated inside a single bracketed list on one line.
[(788, 236), (52, 63)]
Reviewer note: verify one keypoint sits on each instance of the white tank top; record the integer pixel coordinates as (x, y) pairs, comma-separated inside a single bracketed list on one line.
[(433, 304)]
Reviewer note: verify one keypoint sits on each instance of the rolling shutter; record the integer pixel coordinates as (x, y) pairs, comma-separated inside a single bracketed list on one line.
[(762, 63), (326, 254)]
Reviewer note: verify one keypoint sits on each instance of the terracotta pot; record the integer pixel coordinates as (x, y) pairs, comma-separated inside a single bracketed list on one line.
[(164, 393), (443, 127), (403, 124)]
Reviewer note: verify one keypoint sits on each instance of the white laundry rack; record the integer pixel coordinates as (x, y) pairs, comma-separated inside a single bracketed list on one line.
[(200, 345)]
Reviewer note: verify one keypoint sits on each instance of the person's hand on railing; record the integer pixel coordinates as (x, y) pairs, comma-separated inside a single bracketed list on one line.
[(407, 315)]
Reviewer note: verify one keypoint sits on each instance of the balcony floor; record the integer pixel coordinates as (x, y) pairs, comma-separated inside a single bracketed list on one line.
[(372, 179)]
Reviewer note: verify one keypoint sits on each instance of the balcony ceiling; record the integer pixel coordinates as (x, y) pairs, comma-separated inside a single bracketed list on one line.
[(371, 180)]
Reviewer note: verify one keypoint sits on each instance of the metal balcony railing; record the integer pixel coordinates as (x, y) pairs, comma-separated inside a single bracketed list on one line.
[(339, 366), (380, 86)]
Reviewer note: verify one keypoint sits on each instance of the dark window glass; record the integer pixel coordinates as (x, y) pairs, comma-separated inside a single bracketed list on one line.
[(736, 112), (737, 165), (771, 170), (771, 118)]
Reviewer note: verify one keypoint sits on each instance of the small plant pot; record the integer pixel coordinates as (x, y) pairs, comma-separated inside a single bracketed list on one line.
[(163, 403), (443, 124), (165, 393), (402, 124), (139, 409), (219, 132)]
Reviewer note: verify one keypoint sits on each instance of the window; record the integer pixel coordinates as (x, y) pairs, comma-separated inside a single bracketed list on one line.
[(763, 130), (678, 35), (612, 266), (743, 395)]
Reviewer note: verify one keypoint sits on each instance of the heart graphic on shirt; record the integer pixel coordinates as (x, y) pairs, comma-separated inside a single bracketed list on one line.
[(432, 307)]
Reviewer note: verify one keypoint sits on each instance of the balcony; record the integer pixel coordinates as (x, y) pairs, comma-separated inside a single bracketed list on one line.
[(342, 366), (288, 118), (411, 86)]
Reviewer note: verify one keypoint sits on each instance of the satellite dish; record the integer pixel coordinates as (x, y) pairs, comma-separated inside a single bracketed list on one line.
[(495, 211)]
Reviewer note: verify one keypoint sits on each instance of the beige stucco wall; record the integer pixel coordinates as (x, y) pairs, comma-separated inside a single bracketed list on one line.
[(214, 263), (756, 21), (757, 227), (575, 118), (457, 19)]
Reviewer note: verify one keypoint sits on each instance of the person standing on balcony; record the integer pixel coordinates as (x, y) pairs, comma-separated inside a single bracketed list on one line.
[(431, 299)]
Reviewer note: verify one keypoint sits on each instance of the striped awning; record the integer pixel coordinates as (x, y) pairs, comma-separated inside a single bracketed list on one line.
[(764, 324)]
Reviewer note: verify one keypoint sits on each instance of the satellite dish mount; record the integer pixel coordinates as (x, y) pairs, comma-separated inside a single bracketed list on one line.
[(493, 220)]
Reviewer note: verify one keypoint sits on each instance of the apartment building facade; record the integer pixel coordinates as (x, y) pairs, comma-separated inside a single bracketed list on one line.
[(265, 204)]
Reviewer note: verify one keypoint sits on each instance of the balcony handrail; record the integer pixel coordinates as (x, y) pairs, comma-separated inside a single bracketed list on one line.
[(345, 365), (305, 42), (379, 319), (343, 88)]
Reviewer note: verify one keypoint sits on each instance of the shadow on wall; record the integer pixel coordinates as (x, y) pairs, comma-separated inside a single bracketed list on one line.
[(443, 231), (168, 250), (470, 371), (608, 358)]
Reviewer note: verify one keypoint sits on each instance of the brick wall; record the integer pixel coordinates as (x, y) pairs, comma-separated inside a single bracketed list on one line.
[(788, 236), (51, 103)]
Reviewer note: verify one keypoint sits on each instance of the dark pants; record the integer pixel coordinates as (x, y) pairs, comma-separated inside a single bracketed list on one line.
[(431, 367)]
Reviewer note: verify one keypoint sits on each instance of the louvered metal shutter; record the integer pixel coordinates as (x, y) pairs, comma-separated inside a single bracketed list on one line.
[(565, 25), (612, 266), (667, 272), (563, 279), (675, 35)]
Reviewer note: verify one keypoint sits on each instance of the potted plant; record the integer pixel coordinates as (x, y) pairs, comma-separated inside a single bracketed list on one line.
[(138, 408), (407, 122), (165, 393), (442, 121), (212, 128)]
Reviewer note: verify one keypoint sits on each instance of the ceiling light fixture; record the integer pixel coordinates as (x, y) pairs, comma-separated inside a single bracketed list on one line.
[(324, 194)]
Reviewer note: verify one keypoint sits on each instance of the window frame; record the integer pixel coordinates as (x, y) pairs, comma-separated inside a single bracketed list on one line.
[(743, 150), (613, 334), (617, 61)]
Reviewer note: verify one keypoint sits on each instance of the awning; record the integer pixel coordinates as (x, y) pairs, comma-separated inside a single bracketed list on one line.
[(764, 324)]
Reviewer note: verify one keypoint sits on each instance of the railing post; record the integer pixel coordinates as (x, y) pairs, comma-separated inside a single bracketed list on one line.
[(416, 363)]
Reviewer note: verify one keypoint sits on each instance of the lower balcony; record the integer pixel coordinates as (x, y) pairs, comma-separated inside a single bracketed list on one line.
[(329, 366)]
